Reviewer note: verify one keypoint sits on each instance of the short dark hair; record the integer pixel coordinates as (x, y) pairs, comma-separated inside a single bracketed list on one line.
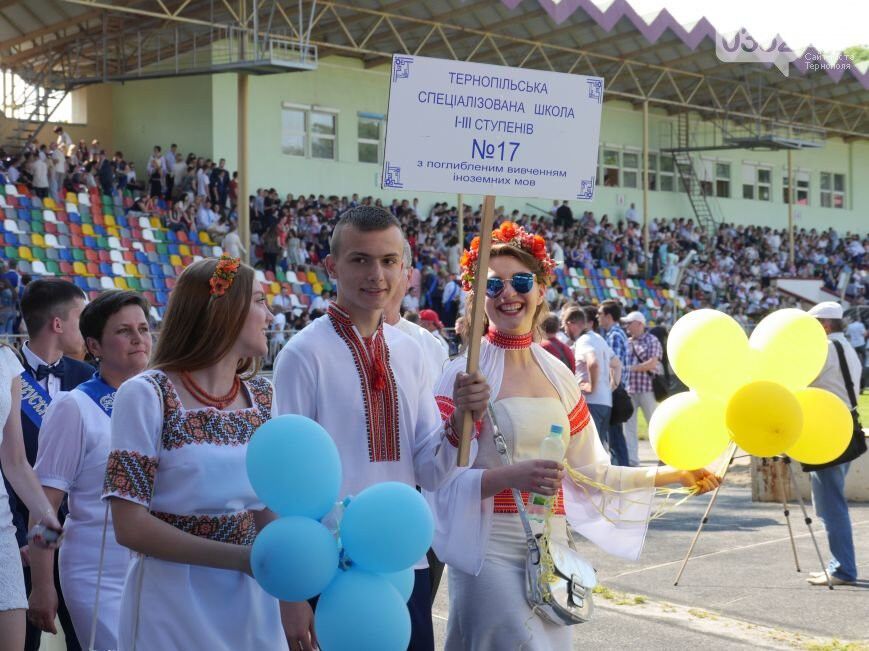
[(550, 324), (362, 218), (45, 299), (573, 314), (590, 312), (96, 313), (612, 309)]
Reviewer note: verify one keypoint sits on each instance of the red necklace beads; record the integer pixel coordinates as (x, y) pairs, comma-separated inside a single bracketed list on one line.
[(218, 402), (509, 342)]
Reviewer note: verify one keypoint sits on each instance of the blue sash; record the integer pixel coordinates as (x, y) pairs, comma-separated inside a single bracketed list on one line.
[(34, 399), (100, 392)]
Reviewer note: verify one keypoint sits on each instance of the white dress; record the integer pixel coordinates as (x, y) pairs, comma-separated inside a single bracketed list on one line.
[(524, 422), (74, 443), (12, 595), (482, 540), (189, 466)]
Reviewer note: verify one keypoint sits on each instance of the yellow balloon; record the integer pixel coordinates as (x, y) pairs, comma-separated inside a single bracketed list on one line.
[(687, 431), (764, 418), (827, 427), (709, 351), (788, 347)]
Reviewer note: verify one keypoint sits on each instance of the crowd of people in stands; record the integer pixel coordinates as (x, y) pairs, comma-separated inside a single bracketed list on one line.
[(731, 269)]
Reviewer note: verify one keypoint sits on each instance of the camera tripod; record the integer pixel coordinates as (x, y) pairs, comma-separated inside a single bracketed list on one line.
[(791, 481)]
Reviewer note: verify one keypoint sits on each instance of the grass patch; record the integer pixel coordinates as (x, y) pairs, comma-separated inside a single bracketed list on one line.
[(836, 645), (618, 598), (863, 408), (701, 614)]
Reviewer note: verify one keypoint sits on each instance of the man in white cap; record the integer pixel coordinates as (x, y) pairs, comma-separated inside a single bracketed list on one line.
[(841, 376), (644, 361)]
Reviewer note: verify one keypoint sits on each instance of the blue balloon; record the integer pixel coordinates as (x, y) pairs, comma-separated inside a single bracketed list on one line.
[(294, 558), (360, 611), (294, 467), (403, 582), (387, 527)]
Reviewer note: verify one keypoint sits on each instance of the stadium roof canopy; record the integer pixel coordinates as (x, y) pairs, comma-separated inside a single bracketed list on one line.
[(67, 43)]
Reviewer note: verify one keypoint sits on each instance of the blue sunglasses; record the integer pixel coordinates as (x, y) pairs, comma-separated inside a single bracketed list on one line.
[(522, 282)]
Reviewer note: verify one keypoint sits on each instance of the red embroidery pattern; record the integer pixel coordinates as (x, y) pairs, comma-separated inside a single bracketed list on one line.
[(130, 474), (213, 426), (379, 390), (509, 342), (447, 407), (504, 502), (235, 528), (579, 417)]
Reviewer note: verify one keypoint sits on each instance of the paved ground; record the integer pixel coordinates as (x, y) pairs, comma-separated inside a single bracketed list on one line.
[(740, 591)]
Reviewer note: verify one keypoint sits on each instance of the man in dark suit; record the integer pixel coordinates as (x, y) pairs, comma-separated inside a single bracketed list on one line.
[(50, 308)]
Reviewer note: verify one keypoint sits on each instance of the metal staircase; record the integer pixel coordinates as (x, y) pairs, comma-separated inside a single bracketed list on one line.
[(690, 181), (30, 110)]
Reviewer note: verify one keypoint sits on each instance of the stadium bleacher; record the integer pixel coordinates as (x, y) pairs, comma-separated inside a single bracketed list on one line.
[(94, 241)]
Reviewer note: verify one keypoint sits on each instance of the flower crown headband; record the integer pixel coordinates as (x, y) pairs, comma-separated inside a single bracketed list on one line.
[(224, 275), (514, 235)]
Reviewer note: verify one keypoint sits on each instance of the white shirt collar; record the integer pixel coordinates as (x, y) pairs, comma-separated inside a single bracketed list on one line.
[(33, 359)]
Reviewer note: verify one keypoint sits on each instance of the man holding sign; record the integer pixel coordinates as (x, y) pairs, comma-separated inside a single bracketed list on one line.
[(362, 381)]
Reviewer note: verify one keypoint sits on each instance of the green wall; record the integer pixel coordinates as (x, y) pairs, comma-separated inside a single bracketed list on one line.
[(160, 112), (201, 113)]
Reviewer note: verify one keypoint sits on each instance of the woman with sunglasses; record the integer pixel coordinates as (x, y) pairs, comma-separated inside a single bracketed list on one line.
[(485, 543)]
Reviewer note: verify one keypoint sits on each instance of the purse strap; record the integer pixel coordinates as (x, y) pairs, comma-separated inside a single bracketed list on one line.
[(846, 374), (504, 452)]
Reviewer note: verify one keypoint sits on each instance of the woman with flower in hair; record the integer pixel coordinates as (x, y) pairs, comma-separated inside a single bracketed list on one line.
[(176, 476), (482, 539)]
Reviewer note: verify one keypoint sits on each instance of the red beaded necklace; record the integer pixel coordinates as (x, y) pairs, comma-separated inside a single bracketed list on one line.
[(202, 396), (509, 342)]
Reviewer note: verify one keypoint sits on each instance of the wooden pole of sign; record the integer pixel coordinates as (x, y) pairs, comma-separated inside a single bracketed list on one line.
[(460, 221), (477, 313)]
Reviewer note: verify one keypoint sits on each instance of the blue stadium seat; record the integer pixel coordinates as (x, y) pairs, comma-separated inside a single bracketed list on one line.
[(74, 218), (65, 254), (156, 270), (106, 268), (81, 283), (142, 257), (162, 298), (90, 242)]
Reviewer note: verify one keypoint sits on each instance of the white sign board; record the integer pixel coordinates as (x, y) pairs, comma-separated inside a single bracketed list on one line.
[(481, 129)]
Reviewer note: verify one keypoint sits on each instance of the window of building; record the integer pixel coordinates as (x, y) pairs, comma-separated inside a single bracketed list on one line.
[(756, 182), (631, 169), (722, 180), (611, 160), (802, 188), (764, 184), (309, 132), (653, 171), (667, 170), (832, 190), (370, 133)]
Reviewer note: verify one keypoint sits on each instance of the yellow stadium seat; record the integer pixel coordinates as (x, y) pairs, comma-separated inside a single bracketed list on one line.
[(175, 260), (121, 282), (110, 221), (25, 253), (204, 238), (49, 203), (72, 197), (37, 240), (606, 272), (318, 288), (87, 229), (183, 250), (155, 222), (113, 231), (131, 270), (274, 289), (79, 269), (312, 277)]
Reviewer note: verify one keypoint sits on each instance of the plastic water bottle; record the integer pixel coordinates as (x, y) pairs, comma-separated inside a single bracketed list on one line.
[(551, 449)]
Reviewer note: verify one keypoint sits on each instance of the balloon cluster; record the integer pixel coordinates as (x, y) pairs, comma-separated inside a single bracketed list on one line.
[(363, 569), (753, 391)]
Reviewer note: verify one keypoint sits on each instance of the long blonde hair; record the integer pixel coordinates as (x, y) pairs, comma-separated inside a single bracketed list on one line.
[(199, 329)]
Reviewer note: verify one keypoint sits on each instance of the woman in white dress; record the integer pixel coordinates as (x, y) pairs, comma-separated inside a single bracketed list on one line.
[(176, 475), (74, 444), (479, 533), (13, 600)]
